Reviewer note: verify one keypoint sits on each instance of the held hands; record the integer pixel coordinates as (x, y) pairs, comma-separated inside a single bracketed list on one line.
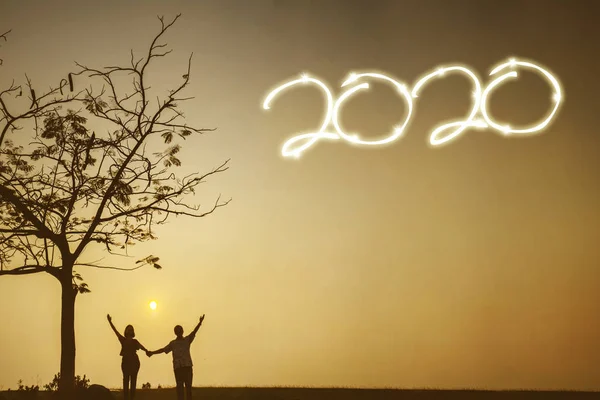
[(149, 353)]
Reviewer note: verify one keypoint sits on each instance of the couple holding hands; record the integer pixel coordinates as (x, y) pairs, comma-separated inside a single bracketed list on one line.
[(182, 359)]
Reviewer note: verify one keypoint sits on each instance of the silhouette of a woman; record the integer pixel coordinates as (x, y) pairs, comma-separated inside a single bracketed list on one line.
[(130, 364)]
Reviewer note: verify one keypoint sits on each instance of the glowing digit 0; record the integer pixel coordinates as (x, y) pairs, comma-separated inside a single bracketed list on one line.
[(354, 138), (312, 137), (436, 138), (506, 129)]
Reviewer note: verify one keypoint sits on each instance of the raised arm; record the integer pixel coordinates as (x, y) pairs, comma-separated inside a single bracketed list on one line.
[(109, 318), (193, 334)]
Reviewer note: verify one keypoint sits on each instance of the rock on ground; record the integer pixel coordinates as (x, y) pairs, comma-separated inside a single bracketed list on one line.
[(97, 392)]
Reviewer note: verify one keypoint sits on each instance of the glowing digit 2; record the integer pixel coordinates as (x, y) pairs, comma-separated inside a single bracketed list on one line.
[(461, 125), (312, 137)]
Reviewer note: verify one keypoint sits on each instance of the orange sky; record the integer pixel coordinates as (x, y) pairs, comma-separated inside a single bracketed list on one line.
[(471, 265)]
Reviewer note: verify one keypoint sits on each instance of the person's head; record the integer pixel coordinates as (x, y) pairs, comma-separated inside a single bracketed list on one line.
[(129, 332), (178, 331)]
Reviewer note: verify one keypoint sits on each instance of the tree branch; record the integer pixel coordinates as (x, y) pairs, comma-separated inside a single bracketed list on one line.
[(107, 267), (8, 195), (31, 269), (3, 36)]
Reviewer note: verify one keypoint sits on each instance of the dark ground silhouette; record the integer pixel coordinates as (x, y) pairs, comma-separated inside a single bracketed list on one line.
[(291, 393)]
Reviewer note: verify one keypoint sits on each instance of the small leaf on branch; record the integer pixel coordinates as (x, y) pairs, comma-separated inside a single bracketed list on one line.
[(33, 99), (168, 137), (185, 133)]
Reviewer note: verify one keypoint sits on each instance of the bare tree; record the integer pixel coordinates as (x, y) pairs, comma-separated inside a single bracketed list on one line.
[(70, 187)]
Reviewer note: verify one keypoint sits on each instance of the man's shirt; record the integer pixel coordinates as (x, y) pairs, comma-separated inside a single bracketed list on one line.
[(181, 351)]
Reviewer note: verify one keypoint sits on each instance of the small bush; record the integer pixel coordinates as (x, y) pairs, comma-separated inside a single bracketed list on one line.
[(147, 385), (27, 392), (80, 383)]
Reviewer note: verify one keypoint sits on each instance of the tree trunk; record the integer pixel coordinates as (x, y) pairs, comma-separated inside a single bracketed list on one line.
[(66, 386)]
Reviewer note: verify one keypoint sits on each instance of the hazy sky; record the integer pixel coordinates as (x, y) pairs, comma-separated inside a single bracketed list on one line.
[(471, 265)]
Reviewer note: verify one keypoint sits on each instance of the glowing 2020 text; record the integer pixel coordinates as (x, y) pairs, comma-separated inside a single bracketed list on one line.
[(478, 117)]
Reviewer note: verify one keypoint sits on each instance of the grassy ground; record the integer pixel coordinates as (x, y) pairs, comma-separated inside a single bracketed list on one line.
[(339, 394)]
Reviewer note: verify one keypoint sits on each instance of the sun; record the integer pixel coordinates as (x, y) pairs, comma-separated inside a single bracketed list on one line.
[(153, 305)]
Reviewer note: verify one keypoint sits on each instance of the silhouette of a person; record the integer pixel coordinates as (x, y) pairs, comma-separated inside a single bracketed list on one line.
[(182, 359), (130, 363)]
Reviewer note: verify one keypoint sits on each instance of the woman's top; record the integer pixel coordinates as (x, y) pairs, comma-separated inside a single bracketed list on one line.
[(129, 347)]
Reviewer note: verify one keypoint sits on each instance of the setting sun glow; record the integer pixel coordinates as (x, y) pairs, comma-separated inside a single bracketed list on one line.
[(153, 305)]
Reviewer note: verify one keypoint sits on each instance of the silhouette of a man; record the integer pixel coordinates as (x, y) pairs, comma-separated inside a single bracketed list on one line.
[(182, 359)]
